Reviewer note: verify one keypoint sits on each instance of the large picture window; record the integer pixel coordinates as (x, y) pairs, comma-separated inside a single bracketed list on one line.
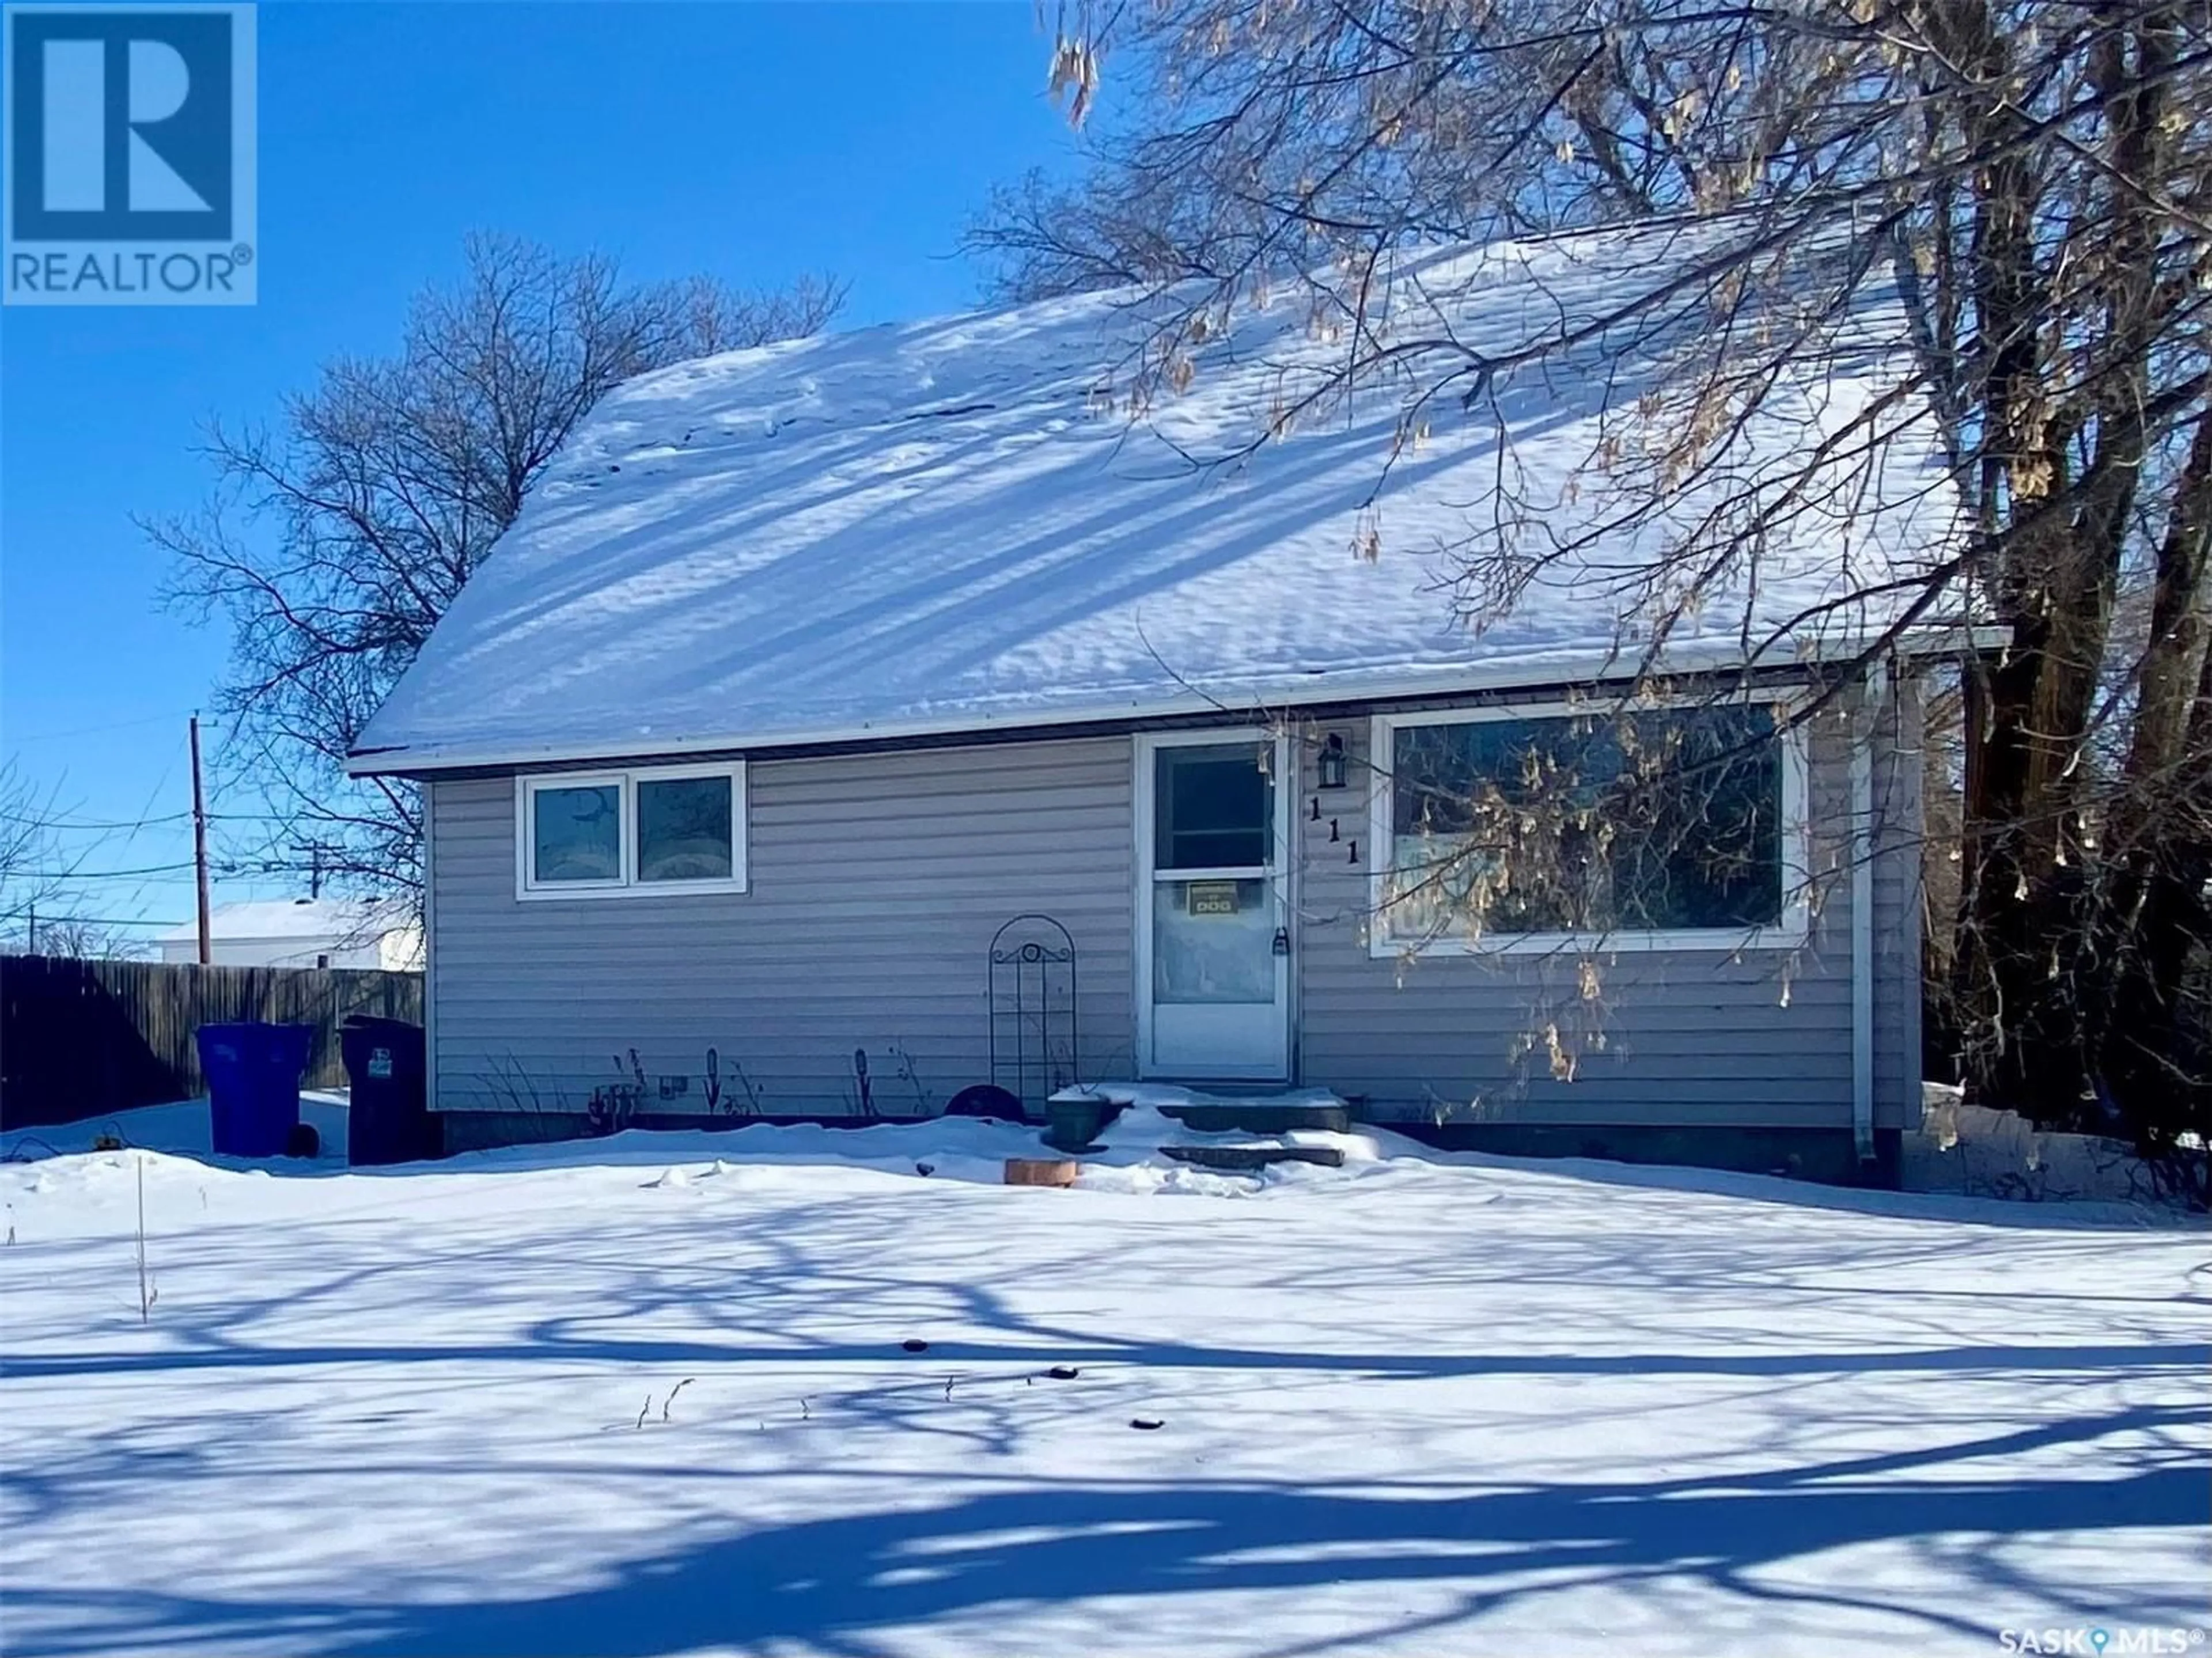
[(602, 834), (1668, 827)]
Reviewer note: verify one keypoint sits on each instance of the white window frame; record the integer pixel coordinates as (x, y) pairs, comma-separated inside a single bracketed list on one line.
[(1789, 932), (528, 888)]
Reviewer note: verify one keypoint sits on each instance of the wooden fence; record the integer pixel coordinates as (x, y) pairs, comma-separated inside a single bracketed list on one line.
[(81, 1039)]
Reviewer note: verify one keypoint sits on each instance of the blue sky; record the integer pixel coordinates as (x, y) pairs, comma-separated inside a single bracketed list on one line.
[(751, 140)]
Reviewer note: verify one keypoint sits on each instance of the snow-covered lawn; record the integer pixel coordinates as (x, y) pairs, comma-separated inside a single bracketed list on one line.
[(182, 1128), (628, 1398)]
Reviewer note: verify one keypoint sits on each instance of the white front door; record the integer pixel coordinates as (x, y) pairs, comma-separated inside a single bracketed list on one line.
[(1213, 964)]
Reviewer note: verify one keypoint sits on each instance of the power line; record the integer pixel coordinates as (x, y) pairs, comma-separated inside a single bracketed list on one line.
[(37, 821), (132, 825), (137, 895), (63, 877), (93, 731), (62, 916)]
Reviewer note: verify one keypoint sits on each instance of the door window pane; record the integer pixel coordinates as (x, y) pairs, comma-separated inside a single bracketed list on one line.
[(576, 833), (1213, 941), (1213, 808), (683, 829)]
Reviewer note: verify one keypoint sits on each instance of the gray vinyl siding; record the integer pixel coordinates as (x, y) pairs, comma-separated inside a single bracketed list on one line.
[(1688, 1038), (876, 882)]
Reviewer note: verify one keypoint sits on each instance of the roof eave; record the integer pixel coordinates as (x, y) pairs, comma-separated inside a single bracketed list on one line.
[(412, 761)]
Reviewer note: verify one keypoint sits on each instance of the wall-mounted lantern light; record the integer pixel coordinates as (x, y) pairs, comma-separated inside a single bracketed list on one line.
[(1332, 761)]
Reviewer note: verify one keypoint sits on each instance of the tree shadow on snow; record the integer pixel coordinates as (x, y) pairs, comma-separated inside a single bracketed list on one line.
[(768, 1285), (846, 1584)]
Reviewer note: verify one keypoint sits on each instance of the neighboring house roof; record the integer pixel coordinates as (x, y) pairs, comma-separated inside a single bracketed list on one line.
[(341, 921), (952, 525)]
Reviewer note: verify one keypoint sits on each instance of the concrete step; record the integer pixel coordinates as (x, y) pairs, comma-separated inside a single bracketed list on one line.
[(1261, 1116), (1077, 1114), (1242, 1159)]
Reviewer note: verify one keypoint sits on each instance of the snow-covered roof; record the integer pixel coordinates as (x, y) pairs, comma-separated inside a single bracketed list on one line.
[(957, 524), (344, 920)]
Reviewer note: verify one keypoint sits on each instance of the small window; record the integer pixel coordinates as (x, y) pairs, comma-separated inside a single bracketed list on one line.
[(1632, 826), (684, 828), (577, 833), (670, 829)]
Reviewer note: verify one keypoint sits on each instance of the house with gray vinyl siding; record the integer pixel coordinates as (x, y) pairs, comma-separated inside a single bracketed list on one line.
[(807, 670)]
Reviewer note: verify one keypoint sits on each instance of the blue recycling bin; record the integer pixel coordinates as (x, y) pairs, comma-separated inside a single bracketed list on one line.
[(253, 1074)]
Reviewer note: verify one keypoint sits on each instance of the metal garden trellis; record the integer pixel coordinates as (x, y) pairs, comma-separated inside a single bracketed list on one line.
[(1034, 1027)]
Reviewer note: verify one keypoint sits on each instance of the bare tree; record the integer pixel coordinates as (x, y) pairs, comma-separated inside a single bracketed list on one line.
[(85, 938), (28, 875), (2018, 191), (334, 542), (41, 901)]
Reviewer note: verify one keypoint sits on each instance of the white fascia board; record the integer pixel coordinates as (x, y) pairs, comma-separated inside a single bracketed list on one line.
[(1258, 698)]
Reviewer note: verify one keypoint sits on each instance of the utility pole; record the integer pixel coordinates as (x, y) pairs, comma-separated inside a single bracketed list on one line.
[(199, 842)]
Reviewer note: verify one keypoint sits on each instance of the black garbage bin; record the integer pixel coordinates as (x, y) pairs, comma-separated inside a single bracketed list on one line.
[(390, 1120)]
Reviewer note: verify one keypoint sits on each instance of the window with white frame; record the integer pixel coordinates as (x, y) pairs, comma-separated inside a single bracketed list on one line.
[(668, 829), (1538, 828)]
